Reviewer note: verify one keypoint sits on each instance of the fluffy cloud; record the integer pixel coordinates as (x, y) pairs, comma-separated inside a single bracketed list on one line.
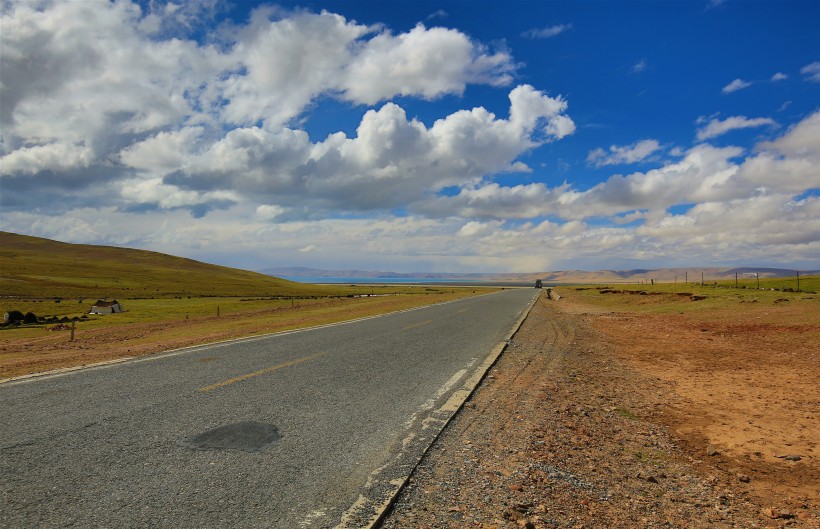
[(774, 221), (812, 72), (762, 228), (277, 67), (717, 127), (156, 126), (153, 122), (269, 71), (705, 174), (734, 86), (391, 161), (627, 154), (280, 66), (735, 211), (800, 141), (423, 62), (136, 105), (494, 201)]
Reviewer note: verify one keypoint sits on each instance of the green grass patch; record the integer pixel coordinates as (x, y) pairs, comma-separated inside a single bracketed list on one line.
[(153, 326), (54, 279), (716, 301), (175, 309), (40, 268), (626, 413)]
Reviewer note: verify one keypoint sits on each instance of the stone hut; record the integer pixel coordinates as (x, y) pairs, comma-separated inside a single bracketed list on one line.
[(106, 307)]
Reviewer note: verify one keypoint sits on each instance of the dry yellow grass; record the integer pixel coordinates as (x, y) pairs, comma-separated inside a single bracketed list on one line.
[(31, 350)]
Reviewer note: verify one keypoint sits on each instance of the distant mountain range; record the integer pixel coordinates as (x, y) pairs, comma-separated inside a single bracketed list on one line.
[(298, 271), (664, 275)]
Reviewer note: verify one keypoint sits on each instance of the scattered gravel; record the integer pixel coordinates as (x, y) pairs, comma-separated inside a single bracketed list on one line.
[(562, 434)]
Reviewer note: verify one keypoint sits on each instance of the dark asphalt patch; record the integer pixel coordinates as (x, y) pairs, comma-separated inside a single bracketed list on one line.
[(248, 436)]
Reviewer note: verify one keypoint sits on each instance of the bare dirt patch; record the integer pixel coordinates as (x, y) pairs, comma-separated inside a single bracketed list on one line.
[(745, 383), (595, 418)]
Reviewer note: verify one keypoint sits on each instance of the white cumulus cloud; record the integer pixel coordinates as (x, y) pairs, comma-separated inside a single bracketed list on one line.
[(423, 62), (126, 125), (717, 127), (786, 166), (152, 120), (812, 72), (626, 154)]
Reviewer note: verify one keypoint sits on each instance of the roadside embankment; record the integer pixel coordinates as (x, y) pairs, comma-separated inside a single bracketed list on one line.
[(592, 418)]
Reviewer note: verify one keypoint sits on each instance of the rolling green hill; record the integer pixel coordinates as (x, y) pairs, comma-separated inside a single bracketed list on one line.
[(35, 267)]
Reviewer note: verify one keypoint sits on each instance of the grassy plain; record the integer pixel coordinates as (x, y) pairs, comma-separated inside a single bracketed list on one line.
[(170, 302), (32, 267), (720, 299), (157, 325)]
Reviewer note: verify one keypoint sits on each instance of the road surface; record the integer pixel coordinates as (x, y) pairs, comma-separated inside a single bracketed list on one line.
[(299, 429)]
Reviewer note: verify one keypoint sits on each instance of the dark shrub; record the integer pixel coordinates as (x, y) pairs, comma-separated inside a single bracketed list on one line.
[(15, 316), (29, 318)]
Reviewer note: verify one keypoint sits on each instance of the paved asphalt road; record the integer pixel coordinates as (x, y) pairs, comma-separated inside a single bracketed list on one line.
[(282, 431)]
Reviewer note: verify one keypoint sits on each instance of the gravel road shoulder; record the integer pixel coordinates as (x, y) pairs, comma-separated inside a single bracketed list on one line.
[(563, 433)]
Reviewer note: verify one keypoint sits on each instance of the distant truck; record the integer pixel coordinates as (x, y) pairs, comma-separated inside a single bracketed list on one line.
[(538, 283)]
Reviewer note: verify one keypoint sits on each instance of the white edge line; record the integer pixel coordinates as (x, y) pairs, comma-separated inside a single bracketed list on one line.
[(452, 406), (63, 371)]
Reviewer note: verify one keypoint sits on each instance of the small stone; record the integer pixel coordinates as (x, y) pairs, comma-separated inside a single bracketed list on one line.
[(771, 513), (711, 450), (517, 488), (792, 457), (804, 515), (646, 477), (513, 515)]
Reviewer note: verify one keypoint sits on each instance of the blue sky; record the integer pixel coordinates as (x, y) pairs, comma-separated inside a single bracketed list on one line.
[(417, 136)]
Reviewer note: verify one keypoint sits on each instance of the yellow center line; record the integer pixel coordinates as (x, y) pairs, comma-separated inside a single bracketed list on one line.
[(416, 325), (260, 372)]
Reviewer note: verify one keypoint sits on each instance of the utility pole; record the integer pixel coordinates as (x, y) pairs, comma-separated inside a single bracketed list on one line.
[(757, 275), (701, 279), (798, 280), (735, 279)]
